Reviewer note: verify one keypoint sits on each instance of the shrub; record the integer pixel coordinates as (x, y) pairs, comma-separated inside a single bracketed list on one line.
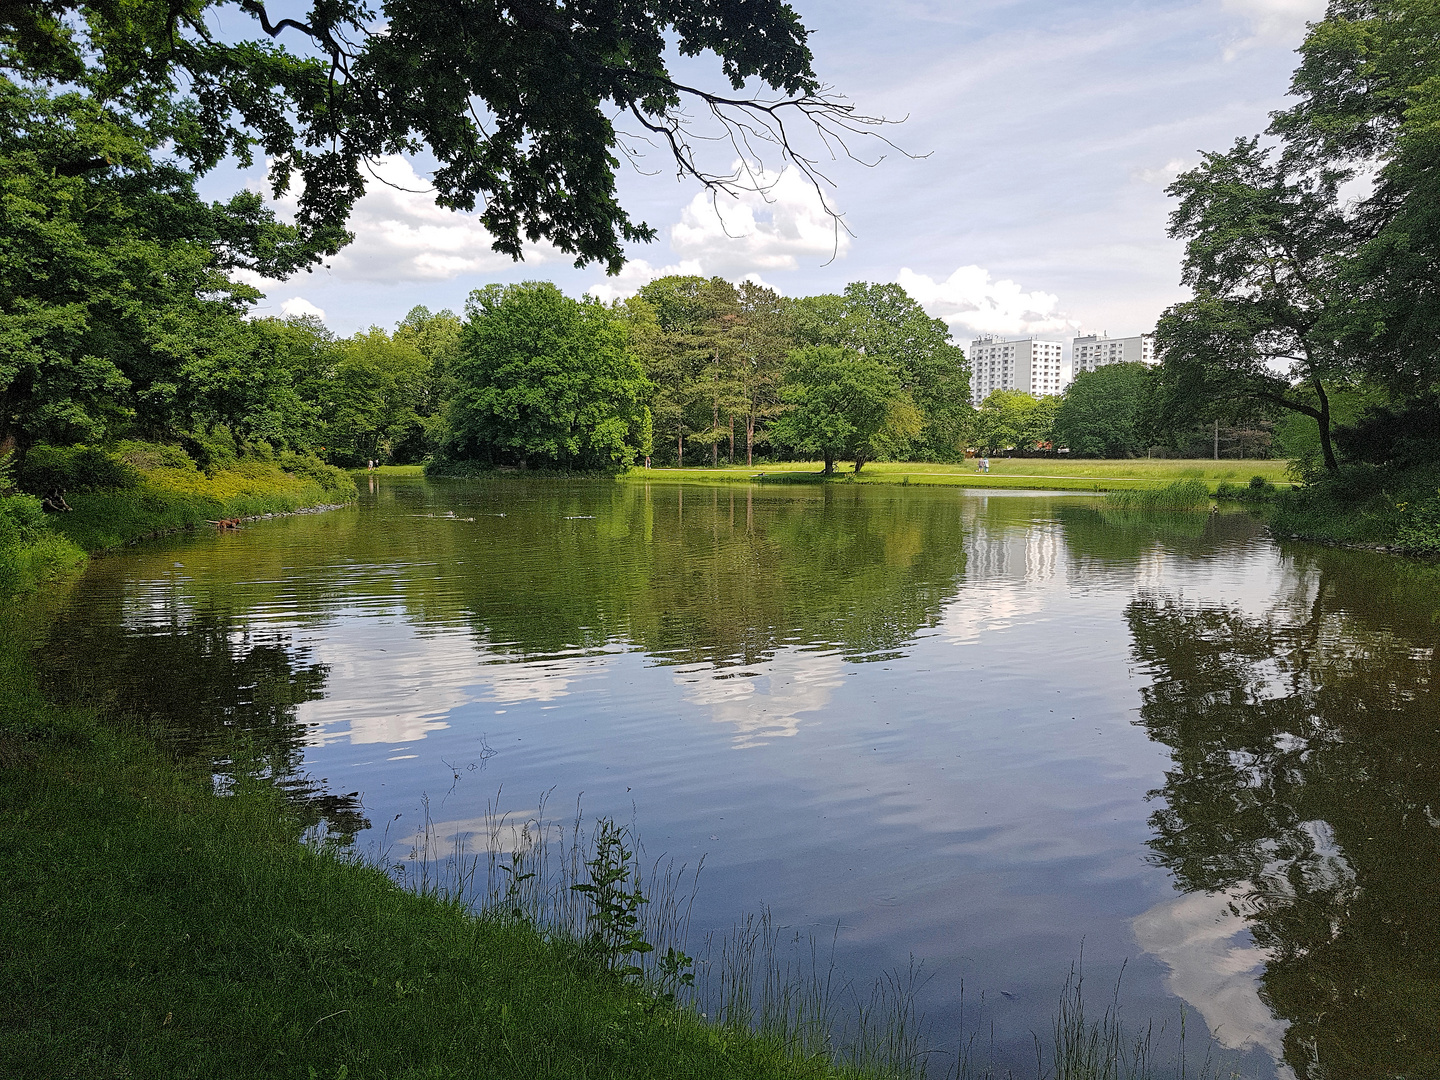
[(1419, 530), (75, 468), (309, 467), (21, 518), (146, 456), (1258, 490)]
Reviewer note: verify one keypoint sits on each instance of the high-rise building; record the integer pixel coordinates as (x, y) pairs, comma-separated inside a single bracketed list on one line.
[(1097, 350), (1030, 365)]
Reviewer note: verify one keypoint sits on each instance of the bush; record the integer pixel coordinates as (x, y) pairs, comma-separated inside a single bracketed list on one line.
[(309, 467), (21, 518), (75, 468), (30, 552), (211, 449), (1259, 490), (146, 456), (1419, 530)]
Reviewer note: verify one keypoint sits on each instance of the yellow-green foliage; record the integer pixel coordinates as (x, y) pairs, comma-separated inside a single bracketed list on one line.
[(156, 489)]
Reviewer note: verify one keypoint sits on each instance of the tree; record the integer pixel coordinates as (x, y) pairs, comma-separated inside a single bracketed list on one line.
[(1266, 232), (1103, 411), (116, 311), (544, 379), (885, 323), (764, 340), (370, 398), (841, 405), (1011, 419), (522, 103), (691, 356), (437, 337), (1369, 101)]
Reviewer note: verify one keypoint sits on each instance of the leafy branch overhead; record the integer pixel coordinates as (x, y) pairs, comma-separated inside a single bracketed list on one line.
[(523, 104)]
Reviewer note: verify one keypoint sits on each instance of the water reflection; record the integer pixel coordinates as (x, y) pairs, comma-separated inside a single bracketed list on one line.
[(1303, 794), (720, 576), (903, 713), (209, 684)]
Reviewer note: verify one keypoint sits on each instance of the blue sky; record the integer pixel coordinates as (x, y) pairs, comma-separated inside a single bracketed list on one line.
[(1049, 132)]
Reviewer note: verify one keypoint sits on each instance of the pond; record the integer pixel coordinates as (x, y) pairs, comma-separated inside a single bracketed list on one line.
[(989, 731)]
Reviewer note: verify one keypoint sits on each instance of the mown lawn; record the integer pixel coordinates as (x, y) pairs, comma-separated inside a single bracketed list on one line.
[(1054, 474)]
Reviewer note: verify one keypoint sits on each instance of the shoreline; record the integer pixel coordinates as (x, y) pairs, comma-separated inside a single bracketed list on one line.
[(194, 526)]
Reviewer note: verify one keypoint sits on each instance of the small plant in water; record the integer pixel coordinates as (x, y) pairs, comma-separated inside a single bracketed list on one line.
[(613, 921)]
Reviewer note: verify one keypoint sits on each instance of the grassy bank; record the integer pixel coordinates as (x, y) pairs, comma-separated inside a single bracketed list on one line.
[(174, 494), (142, 490), (1050, 474), (149, 928), (1366, 506)]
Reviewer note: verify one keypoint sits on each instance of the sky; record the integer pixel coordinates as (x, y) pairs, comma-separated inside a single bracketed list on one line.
[(1036, 139)]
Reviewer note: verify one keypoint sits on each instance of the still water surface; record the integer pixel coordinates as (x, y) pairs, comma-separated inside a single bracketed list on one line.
[(980, 729)]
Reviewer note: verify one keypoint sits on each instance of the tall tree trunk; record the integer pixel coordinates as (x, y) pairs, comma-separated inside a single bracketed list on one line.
[(750, 439), (714, 431), (679, 448), (829, 463), (1323, 422), (732, 439)]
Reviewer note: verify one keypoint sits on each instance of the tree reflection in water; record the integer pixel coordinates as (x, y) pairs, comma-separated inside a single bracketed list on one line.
[(1305, 784), (214, 691)]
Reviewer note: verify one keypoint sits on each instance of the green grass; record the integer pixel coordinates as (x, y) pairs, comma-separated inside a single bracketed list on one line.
[(390, 470), (1191, 494), (151, 929), (1051, 474)]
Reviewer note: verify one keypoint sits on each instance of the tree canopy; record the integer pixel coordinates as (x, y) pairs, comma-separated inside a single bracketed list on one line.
[(1010, 419), (541, 379), (522, 103), (1104, 411), (885, 323), (116, 308), (1315, 257), (841, 405)]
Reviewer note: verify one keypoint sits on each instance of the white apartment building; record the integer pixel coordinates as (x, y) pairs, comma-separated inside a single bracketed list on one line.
[(1030, 365), (1097, 350)]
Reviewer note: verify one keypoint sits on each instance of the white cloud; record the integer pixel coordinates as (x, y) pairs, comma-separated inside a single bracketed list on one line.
[(969, 301), (767, 706), (401, 235), (771, 229), (1271, 22), (299, 306), (636, 274), (1215, 966), (1166, 174)]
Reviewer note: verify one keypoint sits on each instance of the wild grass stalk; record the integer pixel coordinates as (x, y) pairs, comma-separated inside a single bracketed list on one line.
[(757, 979), (1179, 495)]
